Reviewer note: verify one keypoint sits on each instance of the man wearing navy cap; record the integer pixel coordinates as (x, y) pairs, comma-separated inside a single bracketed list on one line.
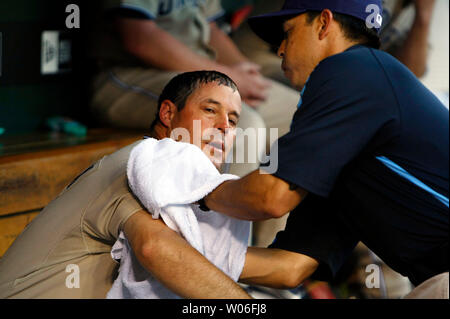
[(366, 158)]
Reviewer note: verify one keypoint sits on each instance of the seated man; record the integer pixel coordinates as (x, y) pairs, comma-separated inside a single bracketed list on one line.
[(65, 251)]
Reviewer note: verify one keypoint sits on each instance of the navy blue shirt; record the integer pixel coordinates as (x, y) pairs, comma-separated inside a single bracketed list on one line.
[(370, 144)]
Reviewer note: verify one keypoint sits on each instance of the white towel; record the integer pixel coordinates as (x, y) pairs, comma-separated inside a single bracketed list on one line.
[(167, 177)]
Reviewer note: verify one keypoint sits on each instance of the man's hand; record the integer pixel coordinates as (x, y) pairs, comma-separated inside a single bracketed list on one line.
[(252, 85), (424, 9), (175, 263), (282, 269)]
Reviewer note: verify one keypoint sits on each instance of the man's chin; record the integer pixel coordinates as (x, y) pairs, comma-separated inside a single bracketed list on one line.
[(293, 81), (216, 156)]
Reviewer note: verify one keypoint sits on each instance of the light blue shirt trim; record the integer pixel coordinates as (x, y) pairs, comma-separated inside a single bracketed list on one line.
[(139, 9), (403, 173), (301, 94), (300, 102)]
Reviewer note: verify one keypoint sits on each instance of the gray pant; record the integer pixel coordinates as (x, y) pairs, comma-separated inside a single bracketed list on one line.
[(434, 288)]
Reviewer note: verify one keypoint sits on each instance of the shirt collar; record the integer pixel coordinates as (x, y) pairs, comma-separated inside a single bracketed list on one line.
[(354, 47)]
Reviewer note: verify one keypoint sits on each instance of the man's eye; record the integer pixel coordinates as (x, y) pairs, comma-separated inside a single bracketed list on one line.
[(286, 33), (209, 110), (233, 123)]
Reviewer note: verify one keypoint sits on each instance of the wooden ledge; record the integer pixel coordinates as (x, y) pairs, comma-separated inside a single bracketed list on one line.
[(34, 169)]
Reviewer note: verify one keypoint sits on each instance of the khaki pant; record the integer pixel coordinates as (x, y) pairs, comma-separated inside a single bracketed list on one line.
[(434, 288), (127, 98)]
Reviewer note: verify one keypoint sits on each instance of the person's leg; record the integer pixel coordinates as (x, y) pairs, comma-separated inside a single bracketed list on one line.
[(128, 97), (434, 288)]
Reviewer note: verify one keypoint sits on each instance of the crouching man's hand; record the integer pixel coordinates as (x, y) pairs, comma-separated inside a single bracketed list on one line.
[(276, 268)]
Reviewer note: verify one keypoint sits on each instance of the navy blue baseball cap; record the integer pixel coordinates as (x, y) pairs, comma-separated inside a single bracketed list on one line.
[(269, 27)]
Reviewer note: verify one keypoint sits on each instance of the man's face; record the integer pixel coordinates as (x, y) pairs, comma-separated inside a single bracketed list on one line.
[(300, 50), (217, 108)]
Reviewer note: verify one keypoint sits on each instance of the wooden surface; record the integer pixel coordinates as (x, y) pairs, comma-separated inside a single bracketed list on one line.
[(11, 227), (42, 141)]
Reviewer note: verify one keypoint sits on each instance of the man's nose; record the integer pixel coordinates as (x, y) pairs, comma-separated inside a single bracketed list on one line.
[(280, 51), (223, 123)]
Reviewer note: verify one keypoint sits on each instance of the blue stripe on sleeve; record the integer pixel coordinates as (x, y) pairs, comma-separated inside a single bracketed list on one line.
[(403, 173)]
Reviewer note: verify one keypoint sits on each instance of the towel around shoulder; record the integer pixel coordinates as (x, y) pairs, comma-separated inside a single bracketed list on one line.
[(175, 174)]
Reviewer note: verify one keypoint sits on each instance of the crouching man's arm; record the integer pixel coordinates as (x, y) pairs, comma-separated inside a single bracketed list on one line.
[(175, 263), (276, 268)]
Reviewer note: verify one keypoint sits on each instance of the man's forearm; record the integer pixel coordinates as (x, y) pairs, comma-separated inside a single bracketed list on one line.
[(255, 197), (240, 200), (227, 52), (175, 263), (414, 51), (282, 269)]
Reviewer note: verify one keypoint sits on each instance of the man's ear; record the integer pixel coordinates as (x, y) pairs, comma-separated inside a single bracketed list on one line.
[(325, 20), (167, 112)]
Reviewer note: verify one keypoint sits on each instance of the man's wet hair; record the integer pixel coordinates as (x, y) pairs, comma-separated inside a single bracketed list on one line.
[(354, 29), (183, 85)]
